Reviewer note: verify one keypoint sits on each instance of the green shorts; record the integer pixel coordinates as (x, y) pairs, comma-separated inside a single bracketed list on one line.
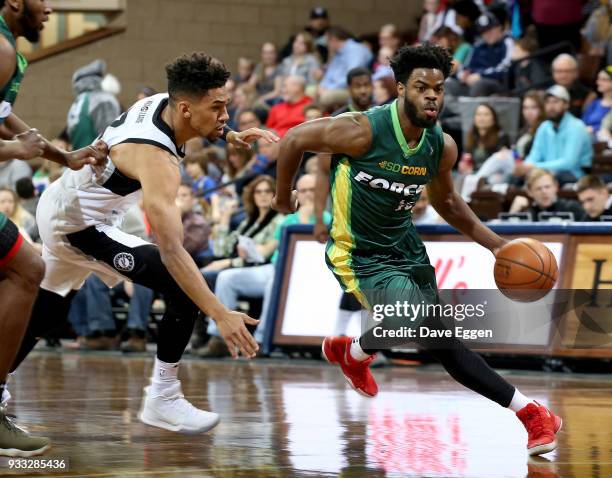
[(381, 278)]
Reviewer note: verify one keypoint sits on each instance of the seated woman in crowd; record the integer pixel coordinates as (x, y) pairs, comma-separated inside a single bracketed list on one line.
[(597, 109), (258, 227), (303, 61), (484, 139), (266, 76), (196, 167), (243, 98), (11, 208), (384, 91), (498, 168)]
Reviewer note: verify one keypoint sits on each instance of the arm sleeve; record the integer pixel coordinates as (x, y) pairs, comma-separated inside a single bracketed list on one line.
[(536, 153)]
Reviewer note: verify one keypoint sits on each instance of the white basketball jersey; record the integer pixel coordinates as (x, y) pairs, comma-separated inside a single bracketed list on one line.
[(102, 195)]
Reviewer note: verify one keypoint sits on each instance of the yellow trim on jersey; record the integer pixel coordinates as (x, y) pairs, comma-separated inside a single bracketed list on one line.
[(339, 254)]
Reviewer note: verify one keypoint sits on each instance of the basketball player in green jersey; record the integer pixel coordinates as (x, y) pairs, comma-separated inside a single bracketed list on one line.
[(21, 268), (382, 160)]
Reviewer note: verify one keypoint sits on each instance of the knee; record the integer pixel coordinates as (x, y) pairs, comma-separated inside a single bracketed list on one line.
[(31, 274), (225, 279)]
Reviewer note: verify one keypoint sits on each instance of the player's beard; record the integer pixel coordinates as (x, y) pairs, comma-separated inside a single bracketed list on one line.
[(413, 115), (27, 20)]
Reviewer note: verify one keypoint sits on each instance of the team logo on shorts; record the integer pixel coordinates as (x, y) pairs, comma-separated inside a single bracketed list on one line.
[(124, 261)]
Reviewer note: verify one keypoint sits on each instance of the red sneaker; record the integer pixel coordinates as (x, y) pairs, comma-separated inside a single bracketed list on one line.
[(337, 350), (541, 425)]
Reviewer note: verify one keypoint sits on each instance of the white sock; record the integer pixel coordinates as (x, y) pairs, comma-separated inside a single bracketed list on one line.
[(519, 401), (342, 321), (164, 375), (356, 351)]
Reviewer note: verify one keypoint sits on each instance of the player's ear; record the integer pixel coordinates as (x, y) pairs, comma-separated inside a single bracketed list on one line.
[(184, 109), (400, 88)]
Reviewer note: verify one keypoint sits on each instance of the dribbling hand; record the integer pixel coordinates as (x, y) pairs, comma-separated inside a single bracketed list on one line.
[(235, 334)]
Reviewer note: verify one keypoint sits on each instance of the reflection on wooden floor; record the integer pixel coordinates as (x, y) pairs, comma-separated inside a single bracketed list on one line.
[(293, 418)]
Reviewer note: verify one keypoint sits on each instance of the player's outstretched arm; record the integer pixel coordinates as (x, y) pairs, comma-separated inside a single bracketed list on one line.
[(95, 154), (159, 176), (451, 205), (348, 134)]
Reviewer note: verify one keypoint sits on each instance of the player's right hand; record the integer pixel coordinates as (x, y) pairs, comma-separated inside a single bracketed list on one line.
[(285, 206), (321, 232), (29, 145), (235, 334), (96, 155)]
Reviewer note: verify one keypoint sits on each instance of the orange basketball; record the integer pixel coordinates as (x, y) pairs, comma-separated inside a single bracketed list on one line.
[(525, 270)]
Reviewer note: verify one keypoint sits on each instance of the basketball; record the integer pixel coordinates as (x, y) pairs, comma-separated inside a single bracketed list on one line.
[(525, 270)]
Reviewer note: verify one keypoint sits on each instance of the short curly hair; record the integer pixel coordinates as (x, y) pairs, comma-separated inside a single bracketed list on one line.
[(427, 55), (195, 74)]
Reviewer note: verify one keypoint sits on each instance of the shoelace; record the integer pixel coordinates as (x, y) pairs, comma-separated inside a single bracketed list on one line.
[(9, 424)]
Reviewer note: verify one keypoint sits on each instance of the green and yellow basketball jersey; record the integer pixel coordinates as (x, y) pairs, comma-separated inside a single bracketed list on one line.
[(373, 195)]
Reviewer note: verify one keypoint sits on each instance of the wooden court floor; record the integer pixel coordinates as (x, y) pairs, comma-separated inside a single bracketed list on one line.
[(295, 418)]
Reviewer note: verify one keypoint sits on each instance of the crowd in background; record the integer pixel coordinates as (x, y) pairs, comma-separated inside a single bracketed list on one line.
[(552, 61)]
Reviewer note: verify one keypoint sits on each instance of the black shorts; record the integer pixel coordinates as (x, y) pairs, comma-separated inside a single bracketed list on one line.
[(10, 242)]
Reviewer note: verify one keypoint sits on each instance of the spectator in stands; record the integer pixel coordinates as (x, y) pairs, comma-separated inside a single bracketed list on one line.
[(290, 112), (542, 188), (598, 31), (313, 111), (423, 212), (303, 60), (244, 70), (48, 171), (384, 90), (251, 244), (247, 119), (93, 109), (382, 66), (594, 197), (243, 99), (484, 139), (196, 229), (27, 195), (388, 37), (256, 282), (346, 55), (196, 166), (565, 73), (558, 21), (359, 81), (462, 14), (11, 208), (562, 143), (12, 171), (266, 76), (317, 29), (487, 64), (526, 73), (451, 38), (597, 109), (499, 167), (428, 21)]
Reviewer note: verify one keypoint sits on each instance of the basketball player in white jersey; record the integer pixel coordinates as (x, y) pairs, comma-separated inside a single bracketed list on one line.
[(78, 218)]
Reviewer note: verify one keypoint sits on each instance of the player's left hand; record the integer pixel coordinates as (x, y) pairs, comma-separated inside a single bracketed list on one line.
[(243, 139), (95, 155)]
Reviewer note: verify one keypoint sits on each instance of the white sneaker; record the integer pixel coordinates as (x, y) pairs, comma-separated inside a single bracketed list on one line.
[(171, 411)]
